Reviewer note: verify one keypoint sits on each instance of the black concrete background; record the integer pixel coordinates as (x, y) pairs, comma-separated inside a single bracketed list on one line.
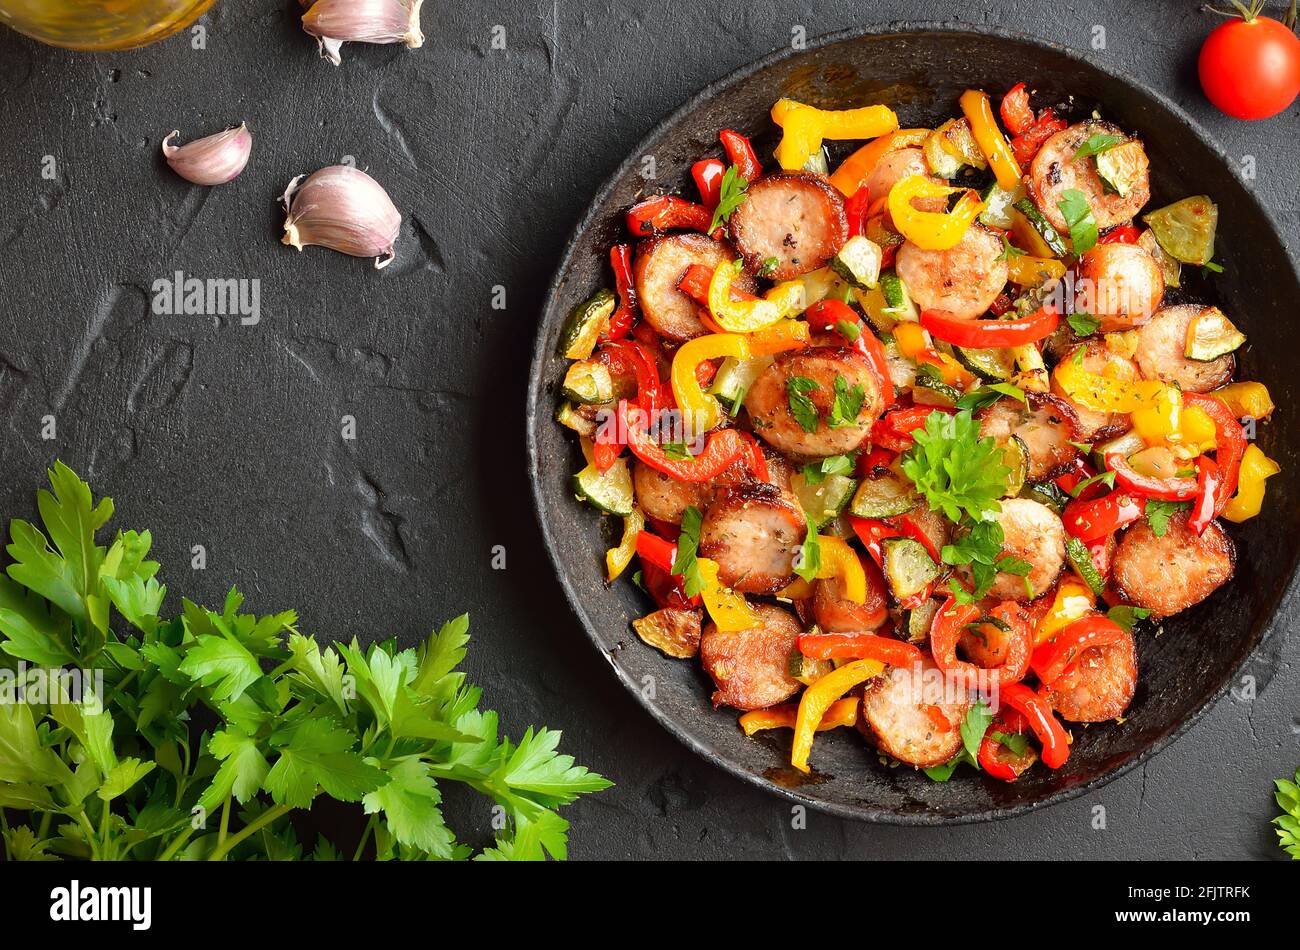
[(210, 432)]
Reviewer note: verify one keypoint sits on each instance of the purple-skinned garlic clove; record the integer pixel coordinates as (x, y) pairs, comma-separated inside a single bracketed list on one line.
[(335, 22), (214, 160), (344, 209)]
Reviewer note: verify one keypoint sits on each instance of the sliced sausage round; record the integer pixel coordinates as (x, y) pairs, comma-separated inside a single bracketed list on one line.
[(796, 218), (659, 265), (754, 533), (963, 280), (1099, 685), (1098, 358), (903, 710), (768, 401), (1120, 284), (1173, 572), (834, 614), (1033, 533), (1047, 426), (665, 498), (740, 472), (1055, 171), (893, 167), (1162, 344), (751, 668)]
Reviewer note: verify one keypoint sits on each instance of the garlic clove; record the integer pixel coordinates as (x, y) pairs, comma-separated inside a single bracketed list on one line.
[(214, 160), (335, 22), (344, 209)]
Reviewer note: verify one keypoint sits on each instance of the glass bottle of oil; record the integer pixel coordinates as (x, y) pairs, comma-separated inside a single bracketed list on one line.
[(100, 24)]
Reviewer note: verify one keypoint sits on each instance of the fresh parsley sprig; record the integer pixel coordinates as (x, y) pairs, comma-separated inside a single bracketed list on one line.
[(958, 471), (1288, 823), (732, 193), (1078, 216), (287, 721)]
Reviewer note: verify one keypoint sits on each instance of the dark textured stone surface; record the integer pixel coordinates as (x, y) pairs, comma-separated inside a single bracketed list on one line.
[(214, 433)]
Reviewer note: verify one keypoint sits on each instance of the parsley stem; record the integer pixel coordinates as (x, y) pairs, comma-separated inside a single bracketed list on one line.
[(225, 822), (365, 837), (264, 819)]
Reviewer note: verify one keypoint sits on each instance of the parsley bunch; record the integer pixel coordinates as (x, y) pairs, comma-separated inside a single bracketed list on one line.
[(213, 728), (1288, 823)]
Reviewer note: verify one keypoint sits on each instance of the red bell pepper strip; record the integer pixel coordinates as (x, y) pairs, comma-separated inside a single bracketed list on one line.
[(1027, 144), (910, 529), (741, 153), (667, 589), (708, 179), (1164, 489), (1053, 658), (995, 758), (868, 462), (1207, 492), (855, 209), (871, 532), (655, 550), (664, 212), (1101, 517), (859, 646), (1048, 729), (633, 356), (757, 461), (1080, 472), (946, 632), (937, 718), (1121, 234), (1017, 115), (723, 447), (695, 284), (1230, 445), (620, 324), (605, 454), (990, 334)]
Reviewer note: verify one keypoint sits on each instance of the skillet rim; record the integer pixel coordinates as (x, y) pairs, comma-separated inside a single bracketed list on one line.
[(536, 387)]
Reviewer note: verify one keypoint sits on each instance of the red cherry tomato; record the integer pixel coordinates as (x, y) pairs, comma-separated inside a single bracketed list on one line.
[(1250, 67)]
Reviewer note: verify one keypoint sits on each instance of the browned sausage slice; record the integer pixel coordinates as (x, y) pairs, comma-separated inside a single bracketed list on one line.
[(1055, 171), (834, 614), (751, 668), (1100, 684), (753, 532), (660, 263), (894, 710), (1099, 359), (665, 498), (768, 401), (1033, 533), (1160, 348), (963, 280), (1047, 426), (1119, 283), (1171, 573), (796, 218)]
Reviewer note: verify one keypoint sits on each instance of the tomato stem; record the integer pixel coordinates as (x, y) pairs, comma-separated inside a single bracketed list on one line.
[(1247, 13)]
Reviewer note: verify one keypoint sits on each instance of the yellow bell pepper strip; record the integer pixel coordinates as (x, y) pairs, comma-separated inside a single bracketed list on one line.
[(1255, 468), (857, 168), (790, 297), (700, 411), (817, 700), (798, 589), (728, 609), (806, 126), (617, 559), (1246, 399), (840, 560), (842, 712), (1102, 393), (1157, 421), (779, 337), (738, 316), (912, 342), (932, 230), (979, 112), (1073, 600), (1029, 271)]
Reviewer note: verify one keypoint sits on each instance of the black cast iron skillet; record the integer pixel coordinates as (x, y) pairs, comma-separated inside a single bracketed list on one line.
[(920, 70)]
